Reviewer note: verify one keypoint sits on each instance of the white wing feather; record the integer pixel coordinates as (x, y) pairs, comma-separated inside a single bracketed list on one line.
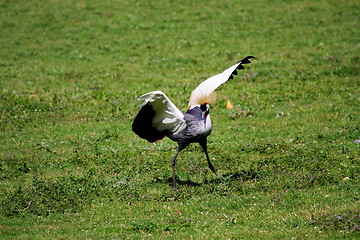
[(167, 115), (207, 87)]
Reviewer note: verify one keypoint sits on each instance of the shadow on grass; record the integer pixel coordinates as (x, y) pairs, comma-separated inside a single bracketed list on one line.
[(179, 182), (229, 177), (243, 175), (239, 175)]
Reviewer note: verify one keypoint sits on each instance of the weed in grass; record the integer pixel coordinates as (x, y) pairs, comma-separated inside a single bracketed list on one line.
[(349, 221)]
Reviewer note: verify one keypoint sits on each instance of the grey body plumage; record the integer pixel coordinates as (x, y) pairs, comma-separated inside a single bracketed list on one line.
[(195, 127)]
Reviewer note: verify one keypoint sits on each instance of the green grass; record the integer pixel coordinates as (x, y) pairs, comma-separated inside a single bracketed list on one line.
[(70, 74)]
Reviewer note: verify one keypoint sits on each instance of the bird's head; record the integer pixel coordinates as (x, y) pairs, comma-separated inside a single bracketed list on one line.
[(205, 109)]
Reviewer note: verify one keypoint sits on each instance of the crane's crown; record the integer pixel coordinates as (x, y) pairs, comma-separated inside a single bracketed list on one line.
[(203, 99)]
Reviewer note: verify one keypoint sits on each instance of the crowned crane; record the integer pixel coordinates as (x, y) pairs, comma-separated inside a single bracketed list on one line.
[(159, 117)]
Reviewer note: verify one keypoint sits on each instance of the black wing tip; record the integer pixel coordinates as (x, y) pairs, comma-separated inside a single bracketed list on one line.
[(240, 66), (246, 60)]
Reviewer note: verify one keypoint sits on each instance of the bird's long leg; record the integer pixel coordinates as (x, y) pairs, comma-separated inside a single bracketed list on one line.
[(204, 146), (173, 162)]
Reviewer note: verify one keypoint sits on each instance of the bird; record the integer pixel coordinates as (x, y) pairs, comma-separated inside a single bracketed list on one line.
[(159, 117)]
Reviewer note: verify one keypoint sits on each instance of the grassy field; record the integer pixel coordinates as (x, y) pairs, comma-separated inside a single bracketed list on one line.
[(70, 74)]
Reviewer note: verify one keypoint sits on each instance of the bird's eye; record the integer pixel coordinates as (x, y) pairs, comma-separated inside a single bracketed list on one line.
[(203, 107)]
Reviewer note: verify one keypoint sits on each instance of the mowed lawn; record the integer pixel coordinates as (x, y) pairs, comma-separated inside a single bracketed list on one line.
[(288, 152)]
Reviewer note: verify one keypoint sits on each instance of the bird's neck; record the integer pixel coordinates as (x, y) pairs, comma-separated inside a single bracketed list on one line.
[(208, 125)]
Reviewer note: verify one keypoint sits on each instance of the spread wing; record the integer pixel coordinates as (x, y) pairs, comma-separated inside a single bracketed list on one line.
[(204, 92), (158, 117)]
